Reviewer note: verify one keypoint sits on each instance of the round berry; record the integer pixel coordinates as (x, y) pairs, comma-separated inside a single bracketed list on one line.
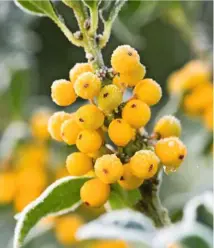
[(124, 58), (174, 82), (31, 178), (171, 151), (109, 98), (208, 117), (110, 244), (62, 92), (167, 126), (55, 123), (131, 78), (196, 72), (87, 85), (78, 164), (7, 187), (136, 113), (66, 228), (79, 69), (70, 130), (128, 181), (122, 85), (108, 168), (120, 132), (89, 141), (95, 193), (39, 124), (144, 164), (89, 117), (25, 196), (148, 91)]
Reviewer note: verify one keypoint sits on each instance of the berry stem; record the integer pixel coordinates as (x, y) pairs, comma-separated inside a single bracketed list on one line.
[(68, 34), (150, 203)]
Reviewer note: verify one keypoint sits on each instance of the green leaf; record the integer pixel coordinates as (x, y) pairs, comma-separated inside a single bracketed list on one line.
[(120, 198), (59, 198), (38, 7), (19, 91), (116, 201), (74, 4), (92, 4)]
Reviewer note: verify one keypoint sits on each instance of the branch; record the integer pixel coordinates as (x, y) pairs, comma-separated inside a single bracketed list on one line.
[(150, 203)]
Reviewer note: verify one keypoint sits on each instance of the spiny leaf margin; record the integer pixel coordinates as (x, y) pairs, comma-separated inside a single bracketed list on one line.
[(25, 224)]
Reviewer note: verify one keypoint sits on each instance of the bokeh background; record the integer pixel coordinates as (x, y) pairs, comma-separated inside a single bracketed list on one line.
[(34, 53)]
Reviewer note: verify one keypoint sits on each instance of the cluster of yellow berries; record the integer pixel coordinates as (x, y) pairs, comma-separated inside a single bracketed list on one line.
[(24, 174), (193, 81), (24, 179), (108, 119)]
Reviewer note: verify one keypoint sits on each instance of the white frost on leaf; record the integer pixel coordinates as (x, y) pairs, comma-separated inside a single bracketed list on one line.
[(121, 224), (21, 216), (190, 210)]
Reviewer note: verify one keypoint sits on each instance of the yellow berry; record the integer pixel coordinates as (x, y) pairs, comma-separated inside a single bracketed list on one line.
[(87, 85), (91, 173), (120, 132), (70, 130), (79, 69), (208, 117), (167, 126), (78, 164), (128, 181), (24, 197), (199, 99), (102, 151), (95, 193), (171, 151), (31, 178), (39, 124), (136, 113), (62, 92), (110, 244), (124, 58), (144, 164), (55, 123), (35, 154), (196, 72), (174, 82), (108, 168), (148, 91), (131, 78), (61, 172), (119, 83), (89, 141), (7, 187), (109, 98), (89, 117), (66, 228)]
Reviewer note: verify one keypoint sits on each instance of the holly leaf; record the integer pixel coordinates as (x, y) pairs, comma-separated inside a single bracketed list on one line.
[(121, 224), (37, 7), (61, 197)]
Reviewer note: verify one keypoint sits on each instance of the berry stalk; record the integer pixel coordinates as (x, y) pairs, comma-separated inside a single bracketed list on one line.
[(150, 203)]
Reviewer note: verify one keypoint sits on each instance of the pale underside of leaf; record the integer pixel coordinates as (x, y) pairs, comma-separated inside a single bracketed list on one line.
[(121, 224)]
